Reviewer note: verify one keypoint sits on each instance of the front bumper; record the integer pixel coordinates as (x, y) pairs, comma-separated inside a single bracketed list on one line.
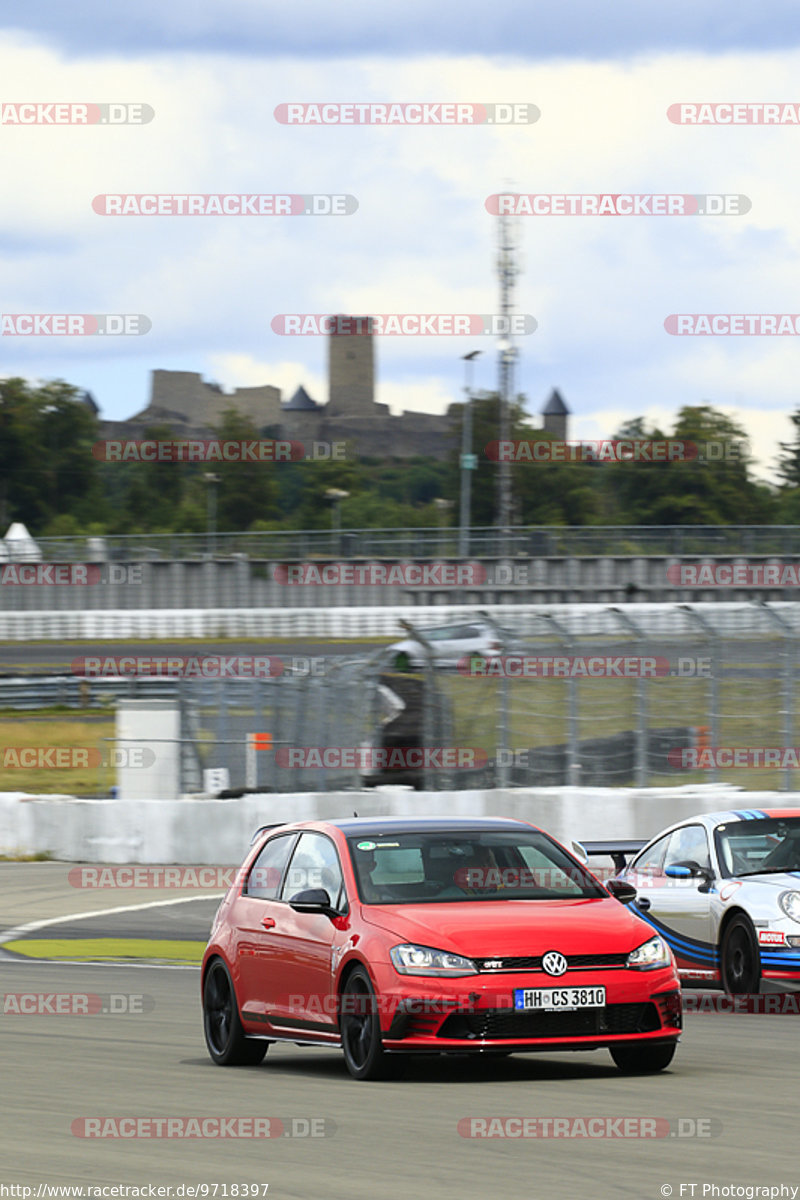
[(476, 1013)]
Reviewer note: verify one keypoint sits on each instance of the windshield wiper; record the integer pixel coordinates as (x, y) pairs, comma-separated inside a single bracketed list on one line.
[(769, 871)]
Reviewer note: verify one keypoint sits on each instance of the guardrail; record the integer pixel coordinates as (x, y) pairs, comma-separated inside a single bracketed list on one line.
[(71, 691), (427, 543)]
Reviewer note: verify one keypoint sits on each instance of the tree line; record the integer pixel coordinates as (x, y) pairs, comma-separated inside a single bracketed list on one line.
[(53, 480)]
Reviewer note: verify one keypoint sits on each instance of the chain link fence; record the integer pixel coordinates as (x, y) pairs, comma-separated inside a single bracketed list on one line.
[(586, 696), (620, 699)]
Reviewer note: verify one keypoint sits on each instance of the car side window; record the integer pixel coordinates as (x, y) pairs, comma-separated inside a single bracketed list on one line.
[(267, 871), (649, 861), (315, 864), (689, 844)]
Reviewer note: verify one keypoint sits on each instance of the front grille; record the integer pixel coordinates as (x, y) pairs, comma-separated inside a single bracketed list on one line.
[(575, 962), (507, 1023)]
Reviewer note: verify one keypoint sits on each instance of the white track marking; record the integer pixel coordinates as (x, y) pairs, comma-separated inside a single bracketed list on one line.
[(10, 935), (119, 963)]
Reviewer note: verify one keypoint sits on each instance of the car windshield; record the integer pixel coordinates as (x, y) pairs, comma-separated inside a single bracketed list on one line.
[(763, 845), (437, 868)]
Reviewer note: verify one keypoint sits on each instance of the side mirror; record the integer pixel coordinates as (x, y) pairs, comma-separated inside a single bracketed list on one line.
[(312, 900), (621, 890), (579, 850), (691, 870), (678, 871)]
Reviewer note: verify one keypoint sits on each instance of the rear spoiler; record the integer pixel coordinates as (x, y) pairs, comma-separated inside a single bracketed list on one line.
[(619, 851), (263, 829)]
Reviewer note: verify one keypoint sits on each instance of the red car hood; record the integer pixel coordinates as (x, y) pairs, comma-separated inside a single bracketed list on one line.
[(498, 928)]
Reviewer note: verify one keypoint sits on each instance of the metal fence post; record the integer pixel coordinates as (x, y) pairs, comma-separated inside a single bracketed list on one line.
[(787, 686), (711, 634), (573, 739), (427, 685), (642, 755), (503, 714)]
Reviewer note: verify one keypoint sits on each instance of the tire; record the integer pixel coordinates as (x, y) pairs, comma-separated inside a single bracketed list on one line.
[(360, 1029), (643, 1059), (222, 1025), (739, 958)]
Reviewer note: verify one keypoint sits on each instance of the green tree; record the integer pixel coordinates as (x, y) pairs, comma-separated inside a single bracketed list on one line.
[(789, 460), (46, 463), (246, 491)]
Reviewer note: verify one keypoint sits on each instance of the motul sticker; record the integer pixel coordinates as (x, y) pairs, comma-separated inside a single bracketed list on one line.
[(771, 937)]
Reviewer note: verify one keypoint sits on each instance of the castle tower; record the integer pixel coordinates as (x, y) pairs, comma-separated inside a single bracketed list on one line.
[(556, 413), (351, 370)]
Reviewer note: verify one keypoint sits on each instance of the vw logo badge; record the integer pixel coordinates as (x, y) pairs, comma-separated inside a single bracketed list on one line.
[(554, 963)]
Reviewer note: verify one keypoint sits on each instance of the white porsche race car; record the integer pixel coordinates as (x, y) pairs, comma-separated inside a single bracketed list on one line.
[(723, 889)]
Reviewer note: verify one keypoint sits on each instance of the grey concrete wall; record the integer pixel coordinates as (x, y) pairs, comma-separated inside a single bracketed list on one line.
[(242, 582), (219, 831)]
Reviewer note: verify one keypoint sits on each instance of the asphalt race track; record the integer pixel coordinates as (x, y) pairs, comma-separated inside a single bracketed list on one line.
[(734, 1077)]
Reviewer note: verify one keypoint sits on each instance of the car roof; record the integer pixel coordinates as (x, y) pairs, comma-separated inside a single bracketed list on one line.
[(740, 814), (379, 825), (724, 817)]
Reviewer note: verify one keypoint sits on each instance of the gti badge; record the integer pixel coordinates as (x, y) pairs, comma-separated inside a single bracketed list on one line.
[(492, 964), (554, 963)]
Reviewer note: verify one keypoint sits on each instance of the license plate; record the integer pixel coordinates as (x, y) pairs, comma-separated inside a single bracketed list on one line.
[(555, 998)]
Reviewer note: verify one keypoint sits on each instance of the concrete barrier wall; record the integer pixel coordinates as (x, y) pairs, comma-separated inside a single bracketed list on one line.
[(241, 582), (197, 831), (729, 619)]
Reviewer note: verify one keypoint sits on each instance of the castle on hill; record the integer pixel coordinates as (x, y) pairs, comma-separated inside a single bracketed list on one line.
[(190, 406)]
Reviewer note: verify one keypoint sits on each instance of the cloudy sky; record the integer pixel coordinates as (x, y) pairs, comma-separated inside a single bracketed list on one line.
[(421, 240)]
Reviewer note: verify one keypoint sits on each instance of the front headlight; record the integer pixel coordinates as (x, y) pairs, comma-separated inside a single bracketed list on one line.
[(652, 954), (422, 960), (790, 903)]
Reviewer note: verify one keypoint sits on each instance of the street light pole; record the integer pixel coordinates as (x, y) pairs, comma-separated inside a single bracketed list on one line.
[(336, 496), (211, 509), (468, 459), (442, 507)]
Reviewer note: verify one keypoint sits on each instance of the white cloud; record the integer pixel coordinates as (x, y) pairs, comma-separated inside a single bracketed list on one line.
[(421, 241)]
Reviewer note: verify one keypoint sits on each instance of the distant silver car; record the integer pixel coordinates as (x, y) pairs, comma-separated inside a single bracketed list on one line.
[(723, 889), (450, 644)]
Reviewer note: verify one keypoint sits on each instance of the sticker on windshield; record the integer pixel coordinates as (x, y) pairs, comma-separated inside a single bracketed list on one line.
[(366, 846)]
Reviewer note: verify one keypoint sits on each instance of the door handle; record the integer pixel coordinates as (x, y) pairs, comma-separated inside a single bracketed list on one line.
[(268, 922), (642, 902)]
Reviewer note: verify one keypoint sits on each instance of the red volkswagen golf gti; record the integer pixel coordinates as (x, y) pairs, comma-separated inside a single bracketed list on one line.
[(390, 937)]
